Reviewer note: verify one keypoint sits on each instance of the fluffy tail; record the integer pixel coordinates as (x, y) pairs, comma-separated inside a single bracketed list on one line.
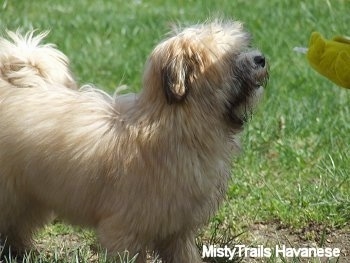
[(25, 62)]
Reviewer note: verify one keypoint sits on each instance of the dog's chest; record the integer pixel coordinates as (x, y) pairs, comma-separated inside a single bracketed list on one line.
[(192, 195)]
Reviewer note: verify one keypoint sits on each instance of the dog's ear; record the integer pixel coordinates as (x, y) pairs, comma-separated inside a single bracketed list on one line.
[(175, 77)]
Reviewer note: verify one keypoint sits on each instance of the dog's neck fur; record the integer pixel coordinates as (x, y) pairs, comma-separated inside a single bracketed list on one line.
[(162, 136), (160, 120)]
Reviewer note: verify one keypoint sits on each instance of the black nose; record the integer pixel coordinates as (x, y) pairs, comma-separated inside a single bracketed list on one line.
[(260, 60)]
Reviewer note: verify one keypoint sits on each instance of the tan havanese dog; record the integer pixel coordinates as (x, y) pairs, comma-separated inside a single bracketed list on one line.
[(144, 170)]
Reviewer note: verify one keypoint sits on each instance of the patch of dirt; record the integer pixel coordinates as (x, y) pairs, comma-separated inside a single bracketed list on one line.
[(311, 236), (266, 234)]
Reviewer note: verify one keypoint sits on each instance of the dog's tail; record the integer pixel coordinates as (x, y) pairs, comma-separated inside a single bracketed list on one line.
[(25, 62)]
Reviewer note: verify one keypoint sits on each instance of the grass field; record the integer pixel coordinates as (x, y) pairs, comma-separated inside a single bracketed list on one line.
[(293, 177)]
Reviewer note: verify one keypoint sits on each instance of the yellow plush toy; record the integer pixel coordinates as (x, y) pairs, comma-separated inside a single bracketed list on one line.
[(331, 58)]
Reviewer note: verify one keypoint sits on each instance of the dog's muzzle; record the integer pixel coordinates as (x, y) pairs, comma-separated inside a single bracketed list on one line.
[(260, 68), (250, 77), (260, 61)]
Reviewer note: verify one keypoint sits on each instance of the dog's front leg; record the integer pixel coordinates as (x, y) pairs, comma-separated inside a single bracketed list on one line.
[(118, 240), (179, 249)]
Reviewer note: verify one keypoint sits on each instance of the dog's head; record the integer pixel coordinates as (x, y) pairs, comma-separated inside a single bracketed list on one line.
[(210, 64)]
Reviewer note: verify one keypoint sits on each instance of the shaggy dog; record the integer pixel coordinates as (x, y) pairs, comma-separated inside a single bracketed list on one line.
[(146, 170)]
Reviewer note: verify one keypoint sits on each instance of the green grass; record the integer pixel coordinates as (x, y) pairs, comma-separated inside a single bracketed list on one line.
[(294, 168)]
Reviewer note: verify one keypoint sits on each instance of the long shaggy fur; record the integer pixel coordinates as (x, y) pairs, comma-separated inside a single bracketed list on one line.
[(25, 62), (145, 170)]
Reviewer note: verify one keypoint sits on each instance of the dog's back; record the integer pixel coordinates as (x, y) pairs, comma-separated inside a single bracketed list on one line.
[(25, 62)]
